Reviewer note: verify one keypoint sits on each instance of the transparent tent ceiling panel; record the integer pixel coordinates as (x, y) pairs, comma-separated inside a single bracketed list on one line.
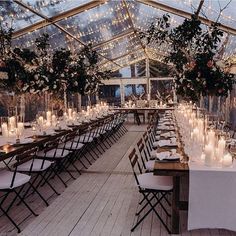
[(143, 15), (211, 10), (57, 39), (51, 8), (98, 24), (120, 47), (16, 16)]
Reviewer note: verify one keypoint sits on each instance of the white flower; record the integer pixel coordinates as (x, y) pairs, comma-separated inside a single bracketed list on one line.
[(3, 75), (62, 75), (51, 70), (45, 89), (54, 86), (25, 87)]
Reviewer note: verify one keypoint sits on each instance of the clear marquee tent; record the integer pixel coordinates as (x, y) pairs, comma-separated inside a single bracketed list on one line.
[(111, 27)]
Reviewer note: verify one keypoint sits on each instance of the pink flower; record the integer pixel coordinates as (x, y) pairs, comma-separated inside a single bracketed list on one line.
[(210, 64)]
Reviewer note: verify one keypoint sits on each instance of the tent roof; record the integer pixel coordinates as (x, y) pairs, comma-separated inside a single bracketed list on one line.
[(110, 26)]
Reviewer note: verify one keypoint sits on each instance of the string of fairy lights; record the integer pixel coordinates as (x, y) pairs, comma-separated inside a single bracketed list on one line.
[(100, 24)]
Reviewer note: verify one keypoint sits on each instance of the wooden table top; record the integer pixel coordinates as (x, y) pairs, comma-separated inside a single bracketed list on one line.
[(170, 168), (143, 108)]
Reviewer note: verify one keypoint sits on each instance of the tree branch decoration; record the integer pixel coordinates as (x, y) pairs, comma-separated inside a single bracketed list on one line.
[(193, 53), (40, 70)]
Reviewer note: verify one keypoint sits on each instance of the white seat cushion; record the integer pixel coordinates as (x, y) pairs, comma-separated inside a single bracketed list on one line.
[(6, 178), (60, 153), (150, 165), (153, 154), (150, 181), (71, 146), (37, 165), (155, 144)]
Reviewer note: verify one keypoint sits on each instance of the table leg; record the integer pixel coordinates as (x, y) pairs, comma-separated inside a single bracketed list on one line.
[(137, 117), (175, 205)]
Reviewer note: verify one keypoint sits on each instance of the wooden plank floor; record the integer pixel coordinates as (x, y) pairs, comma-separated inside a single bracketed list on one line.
[(102, 201)]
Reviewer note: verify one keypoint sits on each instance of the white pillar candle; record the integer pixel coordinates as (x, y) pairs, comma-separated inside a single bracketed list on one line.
[(49, 116), (20, 126), (12, 123), (211, 137), (70, 113), (196, 134), (221, 146), (200, 125), (208, 154), (54, 120), (74, 115), (4, 130), (227, 160), (40, 120), (217, 155)]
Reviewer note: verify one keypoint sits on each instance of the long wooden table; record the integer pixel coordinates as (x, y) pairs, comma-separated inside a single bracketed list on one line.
[(136, 109), (175, 169), (9, 150)]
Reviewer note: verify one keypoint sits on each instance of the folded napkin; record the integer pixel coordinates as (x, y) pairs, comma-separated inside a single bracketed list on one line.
[(163, 143), (162, 155)]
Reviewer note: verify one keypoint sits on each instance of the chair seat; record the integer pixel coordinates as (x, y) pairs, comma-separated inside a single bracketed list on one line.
[(38, 165), (150, 165), (153, 154), (155, 144), (54, 153), (150, 181), (6, 179), (83, 139), (71, 146)]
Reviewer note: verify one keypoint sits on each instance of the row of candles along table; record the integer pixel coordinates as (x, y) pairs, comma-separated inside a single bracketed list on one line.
[(201, 143), (14, 128), (156, 104)]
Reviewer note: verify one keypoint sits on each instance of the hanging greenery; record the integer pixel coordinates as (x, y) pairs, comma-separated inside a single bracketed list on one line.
[(192, 51), (42, 70)]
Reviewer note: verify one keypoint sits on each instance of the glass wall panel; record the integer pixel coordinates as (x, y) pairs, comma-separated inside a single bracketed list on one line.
[(110, 94), (137, 91), (162, 89)]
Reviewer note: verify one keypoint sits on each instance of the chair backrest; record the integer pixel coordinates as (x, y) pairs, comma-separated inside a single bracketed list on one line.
[(52, 144), (26, 156), (136, 167), (142, 152), (147, 143)]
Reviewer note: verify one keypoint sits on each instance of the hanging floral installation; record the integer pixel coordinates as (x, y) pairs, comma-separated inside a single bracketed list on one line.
[(35, 71), (193, 53)]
